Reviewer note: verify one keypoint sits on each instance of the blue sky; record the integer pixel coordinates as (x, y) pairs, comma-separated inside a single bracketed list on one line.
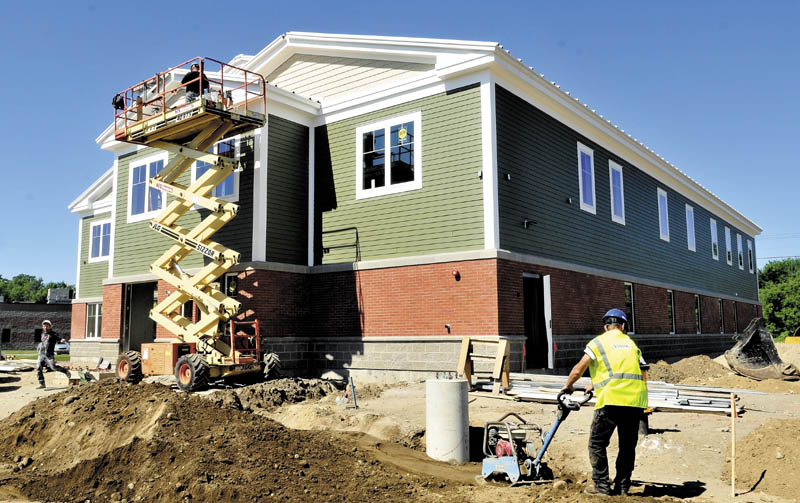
[(710, 86)]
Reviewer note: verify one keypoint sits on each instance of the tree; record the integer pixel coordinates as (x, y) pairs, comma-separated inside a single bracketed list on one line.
[(27, 288), (779, 283)]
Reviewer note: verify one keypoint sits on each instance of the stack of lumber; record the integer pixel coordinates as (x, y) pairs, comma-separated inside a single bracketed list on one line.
[(662, 396)]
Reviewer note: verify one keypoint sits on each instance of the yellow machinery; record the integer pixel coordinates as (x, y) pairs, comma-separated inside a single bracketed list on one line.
[(186, 110)]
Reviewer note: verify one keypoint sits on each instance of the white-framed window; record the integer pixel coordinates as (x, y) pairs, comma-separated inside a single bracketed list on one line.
[(671, 310), (145, 202), (750, 259), (714, 240), (740, 251), (228, 189), (99, 241), (617, 192), (721, 316), (728, 251), (697, 315), (383, 168), (690, 228), (94, 320), (630, 309), (663, 215), (586, 179)]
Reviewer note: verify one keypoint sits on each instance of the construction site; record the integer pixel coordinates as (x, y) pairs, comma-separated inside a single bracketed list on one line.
[(339, 362)]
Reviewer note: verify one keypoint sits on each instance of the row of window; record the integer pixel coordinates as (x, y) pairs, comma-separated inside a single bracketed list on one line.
[(630, 312), (588, 203)]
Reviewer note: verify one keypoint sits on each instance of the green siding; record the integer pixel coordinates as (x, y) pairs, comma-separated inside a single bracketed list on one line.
[(287, 192), (541, 155), (92, 274), (445, 215)]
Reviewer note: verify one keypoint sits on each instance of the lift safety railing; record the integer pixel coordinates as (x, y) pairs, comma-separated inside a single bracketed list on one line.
[(232, 90)]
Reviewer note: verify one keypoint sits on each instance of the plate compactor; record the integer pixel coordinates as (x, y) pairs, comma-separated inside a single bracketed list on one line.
[(511, 447)]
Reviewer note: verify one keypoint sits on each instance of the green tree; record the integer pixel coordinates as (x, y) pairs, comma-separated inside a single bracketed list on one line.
[(3, 283), (779, 283), (27, 288)]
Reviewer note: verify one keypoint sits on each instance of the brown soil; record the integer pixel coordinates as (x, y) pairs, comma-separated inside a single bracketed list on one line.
[(271, 394), (695, 367), (768, 459)]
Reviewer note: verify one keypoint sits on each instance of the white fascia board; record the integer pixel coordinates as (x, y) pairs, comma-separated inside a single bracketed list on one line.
[(491, 212), (373, 41), (100, 186), (522, 80), (294, 100)]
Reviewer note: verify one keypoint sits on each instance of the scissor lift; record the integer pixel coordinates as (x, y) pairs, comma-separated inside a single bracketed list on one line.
[(158, 113)]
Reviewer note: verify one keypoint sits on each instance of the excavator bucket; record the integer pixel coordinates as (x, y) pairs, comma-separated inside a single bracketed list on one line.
[(754, 355)]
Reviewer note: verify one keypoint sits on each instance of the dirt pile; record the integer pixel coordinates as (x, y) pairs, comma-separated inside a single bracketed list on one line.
[(696, 368), (111, 441), (768, 459), (271, 394)]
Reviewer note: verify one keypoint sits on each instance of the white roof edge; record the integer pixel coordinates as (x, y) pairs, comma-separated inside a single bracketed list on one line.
[(404, 41), (103, 183)]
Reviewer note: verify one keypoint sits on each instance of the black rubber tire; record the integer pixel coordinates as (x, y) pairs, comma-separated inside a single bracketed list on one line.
[(272, 366), (192, 372), (129, 366)]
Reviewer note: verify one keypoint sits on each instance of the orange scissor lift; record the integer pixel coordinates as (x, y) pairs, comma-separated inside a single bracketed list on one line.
[(160, 112)]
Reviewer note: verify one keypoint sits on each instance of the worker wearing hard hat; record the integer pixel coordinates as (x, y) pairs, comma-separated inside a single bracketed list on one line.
[(46, 356), (618, 379)]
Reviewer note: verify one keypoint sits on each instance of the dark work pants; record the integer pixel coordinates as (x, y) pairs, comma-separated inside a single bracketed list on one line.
[(626, 422), (49, 362)]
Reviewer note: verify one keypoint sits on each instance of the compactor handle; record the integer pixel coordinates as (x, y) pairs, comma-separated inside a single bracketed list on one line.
[(567, 402)]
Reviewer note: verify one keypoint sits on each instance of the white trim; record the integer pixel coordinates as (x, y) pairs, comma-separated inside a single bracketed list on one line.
[(613, 166), (388, 187), (114, 188), (78, 268), (491, 229), (663, 230), (751, 257), (728, 247), (234, 197), (311, 173), (146, 215), (548, 318), (739, 251), (260, 139), (591, 208), (98, 327), (714, 238), (99, 258), (691, 239)]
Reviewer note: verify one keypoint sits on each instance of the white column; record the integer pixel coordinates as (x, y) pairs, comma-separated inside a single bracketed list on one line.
[(261, 139), (311, 131), (491, 227)]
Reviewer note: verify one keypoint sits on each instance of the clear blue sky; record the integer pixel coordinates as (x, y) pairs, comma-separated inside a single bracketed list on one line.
[(711, 86)]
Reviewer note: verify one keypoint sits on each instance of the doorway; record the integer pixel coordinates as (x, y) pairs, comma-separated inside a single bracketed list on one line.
[(139, 328), (538, 322)]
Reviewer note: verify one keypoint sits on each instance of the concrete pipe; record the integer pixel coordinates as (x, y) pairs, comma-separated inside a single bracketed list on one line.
[(447, 420)]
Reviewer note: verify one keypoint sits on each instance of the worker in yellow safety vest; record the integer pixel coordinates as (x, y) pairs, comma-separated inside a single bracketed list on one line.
[(619, 381)]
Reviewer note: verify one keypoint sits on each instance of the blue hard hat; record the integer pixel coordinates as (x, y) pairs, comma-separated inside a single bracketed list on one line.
[(615, 316)]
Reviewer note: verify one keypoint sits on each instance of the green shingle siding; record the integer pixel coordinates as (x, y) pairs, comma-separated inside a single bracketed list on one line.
[(540, 153), (446, 214), (287, 191), (92, 273)]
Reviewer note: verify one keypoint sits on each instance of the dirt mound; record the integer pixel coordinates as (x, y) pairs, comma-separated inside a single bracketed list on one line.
[(271, 394), (110, 441), (771, 452), (694, 369)]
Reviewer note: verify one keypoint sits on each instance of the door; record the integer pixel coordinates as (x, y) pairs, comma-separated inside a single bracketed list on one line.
[(139, 328), (538, 322)]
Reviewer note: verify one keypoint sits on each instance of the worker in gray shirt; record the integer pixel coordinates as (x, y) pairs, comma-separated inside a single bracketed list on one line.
[(47, 353)]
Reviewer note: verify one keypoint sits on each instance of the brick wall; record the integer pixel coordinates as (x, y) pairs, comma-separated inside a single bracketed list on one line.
[(685, 322), (709, 311), (113, 299), (278, 300), (78, 321), (746, 312), (23, 320), (651, 307), (727, 306), (164, 291)]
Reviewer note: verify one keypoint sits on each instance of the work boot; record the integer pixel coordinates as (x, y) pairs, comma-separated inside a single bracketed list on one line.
[(41, 386), (593, 490), (622, 487)]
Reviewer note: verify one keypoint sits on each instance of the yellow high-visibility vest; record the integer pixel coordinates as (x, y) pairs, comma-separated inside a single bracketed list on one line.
[(615, 371)]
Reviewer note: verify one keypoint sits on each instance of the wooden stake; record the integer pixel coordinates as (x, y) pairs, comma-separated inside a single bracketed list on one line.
[(733, 445)]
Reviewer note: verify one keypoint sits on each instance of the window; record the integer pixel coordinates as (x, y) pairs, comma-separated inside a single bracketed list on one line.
[(690, 228), (187, 310), (629, 308), (750, 261), (714, 240), (228, 189), (145, 202), (671, 310), (739, 251), (663, 215), (697, 321), (100, 241), (728, 252), (6, 335), (94, 320), (378, 174), (232, 285), (721, 317), (586, 178), (37, 335), (617, 192), (735, 318)]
